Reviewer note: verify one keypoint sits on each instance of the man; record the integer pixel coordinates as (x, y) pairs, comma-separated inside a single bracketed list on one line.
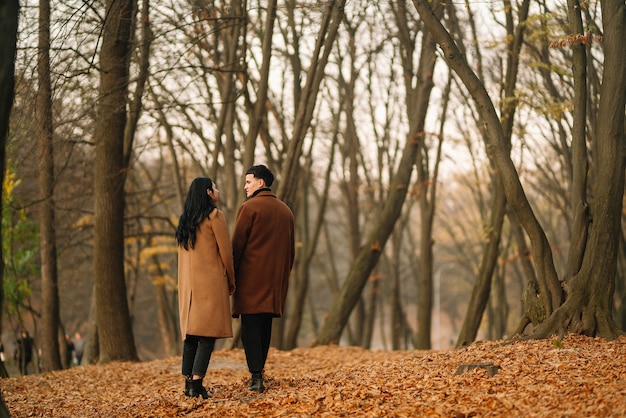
[(24, 352), (264, 251), (69, 351), (79, 348)]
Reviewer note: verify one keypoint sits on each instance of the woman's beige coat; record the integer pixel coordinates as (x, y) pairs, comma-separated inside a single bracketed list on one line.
[(204, 273)]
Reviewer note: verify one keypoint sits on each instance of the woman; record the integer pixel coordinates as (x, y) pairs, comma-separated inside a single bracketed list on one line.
[(205, 280)]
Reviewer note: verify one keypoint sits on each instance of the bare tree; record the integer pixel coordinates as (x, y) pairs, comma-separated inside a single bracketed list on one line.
[(309, 236), (370, 252), (426, 188), (49, 281), (588, 305), (259, 107), (588, 308), (480, 293), (331, 20), (352, 185), (115, 335)]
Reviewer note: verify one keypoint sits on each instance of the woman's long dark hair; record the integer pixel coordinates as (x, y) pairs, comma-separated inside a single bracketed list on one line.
[(198, 206)]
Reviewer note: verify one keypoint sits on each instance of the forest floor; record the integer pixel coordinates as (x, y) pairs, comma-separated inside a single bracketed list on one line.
[(579, 377)]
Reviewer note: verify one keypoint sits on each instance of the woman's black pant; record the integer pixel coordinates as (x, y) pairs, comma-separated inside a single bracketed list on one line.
[(197, 354), (256, 335)]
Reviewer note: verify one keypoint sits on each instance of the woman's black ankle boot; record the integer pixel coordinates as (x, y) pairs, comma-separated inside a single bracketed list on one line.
[(196, 389)]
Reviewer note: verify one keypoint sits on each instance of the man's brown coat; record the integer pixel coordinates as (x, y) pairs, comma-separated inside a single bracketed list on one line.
[(264, 251)]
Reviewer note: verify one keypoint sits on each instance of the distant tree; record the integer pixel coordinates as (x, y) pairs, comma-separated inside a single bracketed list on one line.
[(141, 47), (50, 320), (418, 86), (487, 270), (331, 21), (417, 104), (306, 96), (258, 111), (351, 184)]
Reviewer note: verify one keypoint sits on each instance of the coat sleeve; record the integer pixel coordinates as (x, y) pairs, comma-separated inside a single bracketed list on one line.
[(240, 235), (293, 242), (220, 230)]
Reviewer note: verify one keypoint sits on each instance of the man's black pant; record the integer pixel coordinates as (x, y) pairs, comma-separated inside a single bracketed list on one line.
[(256, 334)]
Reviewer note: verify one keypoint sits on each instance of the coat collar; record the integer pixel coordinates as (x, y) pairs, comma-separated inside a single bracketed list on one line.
[(264, 189)]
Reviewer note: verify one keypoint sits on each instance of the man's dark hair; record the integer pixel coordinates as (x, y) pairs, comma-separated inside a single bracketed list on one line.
[(262, 172)]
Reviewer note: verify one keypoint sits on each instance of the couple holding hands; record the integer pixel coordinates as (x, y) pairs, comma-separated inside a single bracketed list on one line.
[(254, 267)]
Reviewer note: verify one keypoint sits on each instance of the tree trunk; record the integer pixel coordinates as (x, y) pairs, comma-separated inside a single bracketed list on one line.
[(351, 183), (115, 335), (620, 288), (4, 410), (167, 315), (482, 288), (9, 13), (299, 293), (299, 282), (136, 104), (228, 53), (396, 315), (367, 333), (91, 351), (579, 182), (588, 308), (425, 266), (414, 108), (498, 310), (51, 358), (427, 197), (534, 309)]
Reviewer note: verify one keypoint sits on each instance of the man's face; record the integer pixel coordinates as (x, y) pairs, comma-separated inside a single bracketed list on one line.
[(252, 184)]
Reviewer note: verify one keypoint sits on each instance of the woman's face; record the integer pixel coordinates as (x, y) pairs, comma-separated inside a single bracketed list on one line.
[(213, 194)]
